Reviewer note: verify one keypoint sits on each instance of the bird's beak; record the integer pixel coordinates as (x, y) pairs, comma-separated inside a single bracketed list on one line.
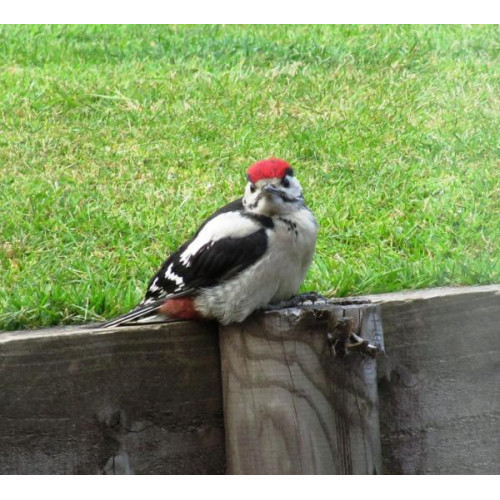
[(270, 190)]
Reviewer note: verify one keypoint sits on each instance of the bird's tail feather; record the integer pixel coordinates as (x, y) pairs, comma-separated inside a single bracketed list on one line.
[(139, 312)]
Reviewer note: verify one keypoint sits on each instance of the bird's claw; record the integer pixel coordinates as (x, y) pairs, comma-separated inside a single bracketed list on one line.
[(311, 296), (298, 300)]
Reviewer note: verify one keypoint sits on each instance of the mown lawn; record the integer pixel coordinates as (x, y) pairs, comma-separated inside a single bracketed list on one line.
[(115, 142)]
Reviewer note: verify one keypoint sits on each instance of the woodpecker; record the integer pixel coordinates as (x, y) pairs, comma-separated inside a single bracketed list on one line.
[(252, 252)]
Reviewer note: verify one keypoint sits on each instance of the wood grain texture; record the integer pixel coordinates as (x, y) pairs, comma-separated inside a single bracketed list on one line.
[(292, 408), (143, 400), (148, 399), (440, 383)]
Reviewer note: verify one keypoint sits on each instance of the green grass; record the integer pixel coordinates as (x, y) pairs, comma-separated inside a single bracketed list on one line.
[(115, 142)]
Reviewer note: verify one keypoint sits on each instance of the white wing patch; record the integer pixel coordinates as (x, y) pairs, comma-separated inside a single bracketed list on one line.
[(154, 287), (227, 225), (170, 275)]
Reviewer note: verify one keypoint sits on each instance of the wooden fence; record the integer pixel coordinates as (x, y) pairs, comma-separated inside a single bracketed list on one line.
[(267, 396)]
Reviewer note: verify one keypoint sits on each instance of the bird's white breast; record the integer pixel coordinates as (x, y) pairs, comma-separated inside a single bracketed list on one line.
[(275, 277), (292, 246)]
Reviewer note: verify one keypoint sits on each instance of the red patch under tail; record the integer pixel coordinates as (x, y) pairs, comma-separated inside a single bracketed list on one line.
[(180, 308)]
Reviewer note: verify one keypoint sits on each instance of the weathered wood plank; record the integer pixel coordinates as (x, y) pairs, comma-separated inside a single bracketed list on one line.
[(144, 400), (440, 383), (291, 407), (147, 399)]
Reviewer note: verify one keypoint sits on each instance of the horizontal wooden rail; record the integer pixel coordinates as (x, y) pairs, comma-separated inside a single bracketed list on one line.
[(439, 384), (274, 398), (126, 400)]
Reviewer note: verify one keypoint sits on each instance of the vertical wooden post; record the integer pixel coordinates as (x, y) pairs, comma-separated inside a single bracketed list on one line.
[(290, 406)]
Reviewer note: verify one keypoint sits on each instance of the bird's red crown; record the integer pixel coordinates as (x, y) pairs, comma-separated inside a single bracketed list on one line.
[(269, 169)]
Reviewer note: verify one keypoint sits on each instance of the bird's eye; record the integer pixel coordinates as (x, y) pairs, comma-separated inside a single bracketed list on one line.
[(285, 182), (252, 188)]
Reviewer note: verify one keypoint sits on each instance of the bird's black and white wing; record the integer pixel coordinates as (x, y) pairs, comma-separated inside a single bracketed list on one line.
[(229, 241)]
